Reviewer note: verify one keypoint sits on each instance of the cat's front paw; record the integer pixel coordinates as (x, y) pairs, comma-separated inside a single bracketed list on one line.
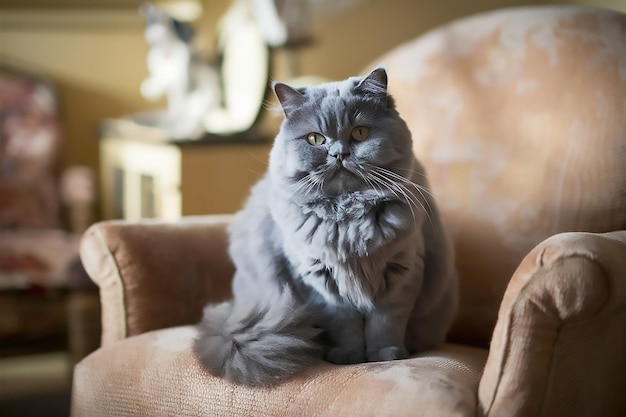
[(388, 353), (343, 356)]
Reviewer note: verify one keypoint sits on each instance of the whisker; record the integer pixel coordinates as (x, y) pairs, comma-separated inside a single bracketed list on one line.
[(304, 183), (319, 182), (406, 180), (412, 171), (421, 189), (402, 184), (394, 188), (256, 157), (371, 184)]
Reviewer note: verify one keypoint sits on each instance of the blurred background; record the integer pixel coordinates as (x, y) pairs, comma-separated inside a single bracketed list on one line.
[(96, 53), (91, 55)]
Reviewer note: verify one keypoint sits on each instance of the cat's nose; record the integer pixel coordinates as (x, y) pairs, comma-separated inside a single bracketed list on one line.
[(339, 151)]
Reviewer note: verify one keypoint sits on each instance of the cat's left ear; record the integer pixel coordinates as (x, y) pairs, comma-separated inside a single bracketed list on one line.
[(289, 97), (374, 83)]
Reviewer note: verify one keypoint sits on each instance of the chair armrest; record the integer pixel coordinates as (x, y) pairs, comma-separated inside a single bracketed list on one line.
[(559, 342), (156, 274)]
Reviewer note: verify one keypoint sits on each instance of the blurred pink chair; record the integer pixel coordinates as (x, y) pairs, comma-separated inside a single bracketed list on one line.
[(40, 225)]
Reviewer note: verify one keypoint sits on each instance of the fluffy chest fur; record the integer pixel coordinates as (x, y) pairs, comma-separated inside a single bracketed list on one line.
[(343, 248)]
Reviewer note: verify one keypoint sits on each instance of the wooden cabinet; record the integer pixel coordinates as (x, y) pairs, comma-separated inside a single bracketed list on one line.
[(143, 176)]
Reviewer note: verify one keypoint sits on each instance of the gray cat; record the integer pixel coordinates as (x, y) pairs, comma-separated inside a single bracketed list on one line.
[(339, 251)]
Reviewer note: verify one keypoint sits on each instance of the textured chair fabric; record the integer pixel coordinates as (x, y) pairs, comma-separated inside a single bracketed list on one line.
[(157, 375), (518, 117)]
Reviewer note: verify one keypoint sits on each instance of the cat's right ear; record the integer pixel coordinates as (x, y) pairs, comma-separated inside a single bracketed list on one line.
[(289, 98)]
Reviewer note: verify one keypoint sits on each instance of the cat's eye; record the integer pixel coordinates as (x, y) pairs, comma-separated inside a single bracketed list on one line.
[(315, 139), (360, 133)]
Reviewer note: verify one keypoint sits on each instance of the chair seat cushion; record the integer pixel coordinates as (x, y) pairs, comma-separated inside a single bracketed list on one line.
[(156, 374)]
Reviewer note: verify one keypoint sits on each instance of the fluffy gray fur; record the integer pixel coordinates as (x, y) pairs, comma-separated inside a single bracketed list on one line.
[(339, 251)]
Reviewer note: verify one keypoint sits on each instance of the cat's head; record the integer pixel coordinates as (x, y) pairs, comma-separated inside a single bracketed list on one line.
[(160, 26), (339, 138)]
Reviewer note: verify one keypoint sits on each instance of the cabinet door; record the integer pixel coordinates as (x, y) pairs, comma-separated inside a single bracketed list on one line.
[(216, 179), (139, 180)]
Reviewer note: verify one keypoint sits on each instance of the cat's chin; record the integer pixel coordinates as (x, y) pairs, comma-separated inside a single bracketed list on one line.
[(341, 182)]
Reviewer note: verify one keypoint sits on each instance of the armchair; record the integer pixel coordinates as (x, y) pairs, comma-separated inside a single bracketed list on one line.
[(43, 211), (518, 116)]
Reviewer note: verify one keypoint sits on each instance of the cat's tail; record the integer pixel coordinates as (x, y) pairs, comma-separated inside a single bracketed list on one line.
[(257, 343)]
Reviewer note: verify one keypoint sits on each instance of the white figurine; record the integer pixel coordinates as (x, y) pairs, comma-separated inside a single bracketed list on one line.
[(190, 85)]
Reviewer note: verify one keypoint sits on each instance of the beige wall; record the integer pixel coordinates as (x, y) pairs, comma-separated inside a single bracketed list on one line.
[(97, 59), (97, 56)]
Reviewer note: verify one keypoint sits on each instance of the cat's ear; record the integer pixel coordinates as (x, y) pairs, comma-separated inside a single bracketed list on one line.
[(374, 83), (289, 97)]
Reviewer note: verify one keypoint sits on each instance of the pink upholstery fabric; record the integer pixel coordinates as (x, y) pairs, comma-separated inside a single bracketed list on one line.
[(155, 274), (519, 117), (558, 348), (561, 324), (156, 374)]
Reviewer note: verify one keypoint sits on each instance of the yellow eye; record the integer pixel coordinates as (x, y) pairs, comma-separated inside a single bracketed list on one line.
[(315, 139), (360, 133)]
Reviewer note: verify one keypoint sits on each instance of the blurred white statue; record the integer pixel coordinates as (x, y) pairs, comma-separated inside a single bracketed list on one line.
[(228, 99), (177, 71)]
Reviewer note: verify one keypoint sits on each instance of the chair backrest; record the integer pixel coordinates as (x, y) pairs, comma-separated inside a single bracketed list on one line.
[(519, 116), (30, 152)]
